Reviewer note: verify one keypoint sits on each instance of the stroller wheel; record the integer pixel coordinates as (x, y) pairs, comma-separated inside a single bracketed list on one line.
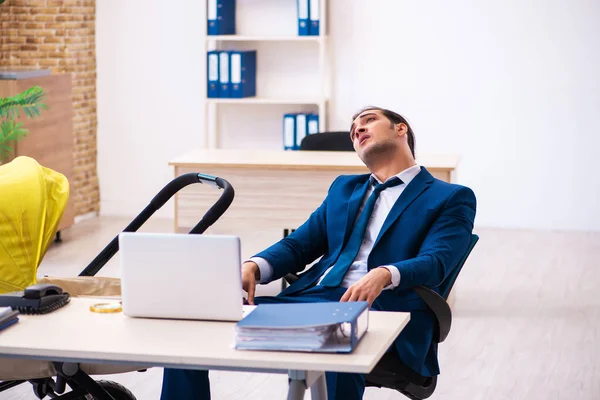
[(118, 391)]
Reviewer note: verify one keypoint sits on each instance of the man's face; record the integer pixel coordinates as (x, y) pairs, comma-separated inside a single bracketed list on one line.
[(371, 132)]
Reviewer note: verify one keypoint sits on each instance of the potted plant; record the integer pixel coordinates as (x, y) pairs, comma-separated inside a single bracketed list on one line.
[(30, 102)]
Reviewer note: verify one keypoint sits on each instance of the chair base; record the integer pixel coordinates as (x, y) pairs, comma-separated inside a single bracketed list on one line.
[(390, 373)]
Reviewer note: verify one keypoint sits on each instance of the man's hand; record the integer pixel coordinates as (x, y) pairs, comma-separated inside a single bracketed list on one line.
[(250, 275), (369, 286)]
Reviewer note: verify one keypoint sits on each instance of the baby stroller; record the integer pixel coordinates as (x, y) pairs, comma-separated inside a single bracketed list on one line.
[(32, 201)]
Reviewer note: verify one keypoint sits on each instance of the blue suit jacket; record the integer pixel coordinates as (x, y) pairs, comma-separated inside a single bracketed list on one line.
[(425, 234)]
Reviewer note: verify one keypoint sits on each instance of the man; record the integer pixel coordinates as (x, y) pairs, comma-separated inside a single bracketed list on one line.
[(379, 236)]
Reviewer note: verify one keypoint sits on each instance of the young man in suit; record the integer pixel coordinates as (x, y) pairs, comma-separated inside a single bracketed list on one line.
[(378, 235)]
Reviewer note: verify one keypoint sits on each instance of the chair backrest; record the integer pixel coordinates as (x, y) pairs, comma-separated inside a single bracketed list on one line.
[(449, 282), (327, 141)]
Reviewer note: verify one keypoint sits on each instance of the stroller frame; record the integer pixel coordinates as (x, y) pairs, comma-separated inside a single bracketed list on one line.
[(70, 373)]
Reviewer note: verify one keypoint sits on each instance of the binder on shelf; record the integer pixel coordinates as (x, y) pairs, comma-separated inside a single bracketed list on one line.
[(220, 17), (330, 327), (313, 123), (301, 129), (289, 131), (212, 72), (224, 72), (315, 11), (243, 73), (303, 17)]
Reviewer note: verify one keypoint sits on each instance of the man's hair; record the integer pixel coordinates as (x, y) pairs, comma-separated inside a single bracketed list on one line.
[(394, 119)]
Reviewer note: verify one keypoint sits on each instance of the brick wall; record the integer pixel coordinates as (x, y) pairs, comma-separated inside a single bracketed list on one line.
[(60, 34)]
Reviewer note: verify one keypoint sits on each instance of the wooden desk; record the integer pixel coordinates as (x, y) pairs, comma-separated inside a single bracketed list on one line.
[(273, 189), (74, 334)]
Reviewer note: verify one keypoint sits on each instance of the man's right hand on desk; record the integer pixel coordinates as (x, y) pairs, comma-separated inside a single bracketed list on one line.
[(250, 275)]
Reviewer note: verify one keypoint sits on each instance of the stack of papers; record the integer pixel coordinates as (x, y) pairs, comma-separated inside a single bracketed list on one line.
[(318, 327), (8, 317)]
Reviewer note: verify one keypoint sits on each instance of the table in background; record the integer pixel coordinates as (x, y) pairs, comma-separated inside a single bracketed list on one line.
[(273, 189)]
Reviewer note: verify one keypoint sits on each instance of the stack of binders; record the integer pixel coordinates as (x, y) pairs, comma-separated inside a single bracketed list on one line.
[(220, 17), (8, 317), (231, 74), (296, 127), (330, 327), (309, 12)]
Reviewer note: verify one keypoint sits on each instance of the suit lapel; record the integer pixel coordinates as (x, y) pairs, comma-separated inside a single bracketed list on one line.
[(353, 205), (417, 186)]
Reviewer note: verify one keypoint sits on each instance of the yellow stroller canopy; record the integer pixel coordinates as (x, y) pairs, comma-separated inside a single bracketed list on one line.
[(32, 202)]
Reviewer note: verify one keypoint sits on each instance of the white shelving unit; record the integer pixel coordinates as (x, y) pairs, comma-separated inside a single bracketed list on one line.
[(265, 100), (242, 38), (318, 100)]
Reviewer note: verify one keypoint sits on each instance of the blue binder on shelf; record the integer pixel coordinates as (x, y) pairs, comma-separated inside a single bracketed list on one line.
[(313, 123), (301, 129), (303, 17), (212, 72), (243, 73), (315, 11), (220, 17), (224, 73), (289, 131), (330, 327)]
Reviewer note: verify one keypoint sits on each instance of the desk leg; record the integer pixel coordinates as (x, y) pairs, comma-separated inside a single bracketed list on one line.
[(318, 390), (296, 390), (302, 380)]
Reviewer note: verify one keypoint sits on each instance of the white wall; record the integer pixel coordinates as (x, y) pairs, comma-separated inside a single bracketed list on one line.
[(150, 65), (511, 86)]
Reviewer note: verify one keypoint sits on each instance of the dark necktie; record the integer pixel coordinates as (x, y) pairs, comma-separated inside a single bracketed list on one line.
[(336, 274)]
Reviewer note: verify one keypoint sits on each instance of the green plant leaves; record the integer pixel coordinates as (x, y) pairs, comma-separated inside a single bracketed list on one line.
[(30, 101), (9, 132)]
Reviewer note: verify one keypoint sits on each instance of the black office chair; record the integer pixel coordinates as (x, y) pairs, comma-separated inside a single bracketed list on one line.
[(385, 374), (327, 141), (388, 373)]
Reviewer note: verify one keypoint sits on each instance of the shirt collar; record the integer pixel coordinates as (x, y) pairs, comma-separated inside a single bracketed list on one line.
[(406, 176)]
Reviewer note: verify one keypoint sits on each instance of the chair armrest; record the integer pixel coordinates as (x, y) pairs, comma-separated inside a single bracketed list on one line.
[(440, 309)]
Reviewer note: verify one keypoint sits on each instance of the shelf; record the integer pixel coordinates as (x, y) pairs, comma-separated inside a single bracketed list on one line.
[(258, 100), (242, 38)]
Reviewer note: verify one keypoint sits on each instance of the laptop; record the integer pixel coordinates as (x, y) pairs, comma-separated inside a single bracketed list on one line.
[(181, 276)]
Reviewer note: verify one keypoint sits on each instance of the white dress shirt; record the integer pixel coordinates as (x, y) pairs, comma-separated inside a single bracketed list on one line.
[(383, 205)]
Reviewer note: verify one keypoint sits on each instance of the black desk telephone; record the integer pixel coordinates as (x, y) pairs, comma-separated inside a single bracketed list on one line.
[(36, 299)]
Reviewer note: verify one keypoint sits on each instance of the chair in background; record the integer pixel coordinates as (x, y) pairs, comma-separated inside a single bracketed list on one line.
[(327, 141)]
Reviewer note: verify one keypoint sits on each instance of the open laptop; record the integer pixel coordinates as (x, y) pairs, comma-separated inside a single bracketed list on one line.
[(181, 276)]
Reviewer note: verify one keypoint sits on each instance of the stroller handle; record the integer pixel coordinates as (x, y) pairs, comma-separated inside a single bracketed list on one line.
[(209, 218)]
